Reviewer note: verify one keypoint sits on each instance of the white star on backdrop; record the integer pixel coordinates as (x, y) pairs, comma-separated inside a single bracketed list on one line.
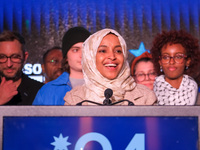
[(61, 142)]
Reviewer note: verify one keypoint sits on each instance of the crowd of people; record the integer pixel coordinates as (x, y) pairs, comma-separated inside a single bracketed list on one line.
[(88, 64)]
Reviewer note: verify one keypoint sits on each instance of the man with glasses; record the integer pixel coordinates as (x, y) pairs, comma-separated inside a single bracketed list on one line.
[(52, 62), (15, 88)]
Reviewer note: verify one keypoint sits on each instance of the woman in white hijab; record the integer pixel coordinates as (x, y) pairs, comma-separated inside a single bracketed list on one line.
[(104, 64)]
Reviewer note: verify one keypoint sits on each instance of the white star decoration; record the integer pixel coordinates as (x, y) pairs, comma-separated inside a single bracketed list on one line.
[(60, 142)]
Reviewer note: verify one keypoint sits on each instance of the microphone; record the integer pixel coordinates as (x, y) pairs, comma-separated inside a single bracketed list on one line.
[(108, 94)]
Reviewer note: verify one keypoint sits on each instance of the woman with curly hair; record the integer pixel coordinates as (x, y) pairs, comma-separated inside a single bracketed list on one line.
[(176, 57)]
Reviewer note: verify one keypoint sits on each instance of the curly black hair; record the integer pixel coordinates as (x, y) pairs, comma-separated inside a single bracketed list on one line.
[(190, 44)]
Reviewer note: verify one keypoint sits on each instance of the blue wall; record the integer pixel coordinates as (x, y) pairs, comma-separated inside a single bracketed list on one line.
[(43, 22)]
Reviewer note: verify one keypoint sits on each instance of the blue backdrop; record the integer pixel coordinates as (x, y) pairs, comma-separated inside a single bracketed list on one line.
[(44, 22)]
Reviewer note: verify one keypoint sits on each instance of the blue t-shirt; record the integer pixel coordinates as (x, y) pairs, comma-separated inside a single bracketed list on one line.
[(53, 92)]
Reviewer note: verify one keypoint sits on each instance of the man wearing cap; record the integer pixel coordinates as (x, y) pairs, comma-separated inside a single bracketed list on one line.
[(53, 92)]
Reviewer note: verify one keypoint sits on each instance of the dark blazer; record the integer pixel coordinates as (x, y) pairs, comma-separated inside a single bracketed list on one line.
[(27, 91)]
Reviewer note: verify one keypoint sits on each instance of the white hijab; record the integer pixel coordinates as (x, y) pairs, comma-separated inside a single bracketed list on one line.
[(95, 83)]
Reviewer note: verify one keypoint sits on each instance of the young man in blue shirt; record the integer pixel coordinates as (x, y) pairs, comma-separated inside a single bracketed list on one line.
[(53, 92)]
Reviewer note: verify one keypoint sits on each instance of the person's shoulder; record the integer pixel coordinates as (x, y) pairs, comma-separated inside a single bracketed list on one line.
[(160, 78), (140, 91), (198, 99), (142, 95), (145, 91), (192, 82), (31, 82), (143, 88), (61, 80), (74, 96), (56, 86), (55, 90), (78, 90), (63, 76), (191, 79)]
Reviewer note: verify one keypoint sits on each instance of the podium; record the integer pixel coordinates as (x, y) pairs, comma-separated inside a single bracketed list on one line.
[(99, 127)]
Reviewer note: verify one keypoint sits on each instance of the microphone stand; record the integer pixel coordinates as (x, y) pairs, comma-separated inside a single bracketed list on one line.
[(106, 102), (80, 103), (124, 100)]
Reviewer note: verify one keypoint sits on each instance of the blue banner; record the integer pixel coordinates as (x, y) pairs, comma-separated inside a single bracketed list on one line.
[(100, 133)]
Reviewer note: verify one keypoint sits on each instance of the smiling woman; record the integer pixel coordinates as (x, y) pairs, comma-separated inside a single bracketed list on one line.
[(109, 57), (104, 64)]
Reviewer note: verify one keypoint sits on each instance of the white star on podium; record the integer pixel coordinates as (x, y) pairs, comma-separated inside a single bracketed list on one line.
[(60, 142)]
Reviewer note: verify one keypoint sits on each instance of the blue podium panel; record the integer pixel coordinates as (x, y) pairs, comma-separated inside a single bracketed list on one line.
[(100, 133)]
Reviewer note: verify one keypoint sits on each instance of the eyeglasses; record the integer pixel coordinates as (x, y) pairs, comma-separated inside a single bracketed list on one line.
[(14, 58), (142, 76), (54, 62), (178, 58)]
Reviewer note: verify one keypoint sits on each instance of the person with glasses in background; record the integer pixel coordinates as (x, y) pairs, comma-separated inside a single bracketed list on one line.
[(176, 58), (52, 62), (142, 70), (16, 88)]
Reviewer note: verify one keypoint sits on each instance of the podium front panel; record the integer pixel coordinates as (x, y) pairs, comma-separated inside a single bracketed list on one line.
[(100, 128)]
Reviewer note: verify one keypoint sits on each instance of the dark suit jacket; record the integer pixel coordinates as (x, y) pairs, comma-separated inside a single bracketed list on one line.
[(27, 91)]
